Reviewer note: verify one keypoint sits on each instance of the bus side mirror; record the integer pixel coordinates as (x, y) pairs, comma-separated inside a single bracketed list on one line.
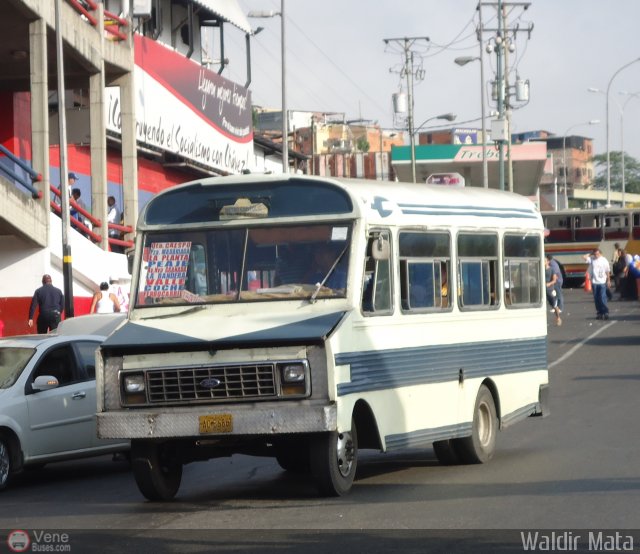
[(380, 250), (130, 257)]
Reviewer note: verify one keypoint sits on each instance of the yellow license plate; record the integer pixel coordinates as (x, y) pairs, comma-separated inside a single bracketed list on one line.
[(218, 423)]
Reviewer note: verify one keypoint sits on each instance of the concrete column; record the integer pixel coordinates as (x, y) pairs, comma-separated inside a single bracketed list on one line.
[(467, 178), (129, 152), (97, 119), (40, 112)]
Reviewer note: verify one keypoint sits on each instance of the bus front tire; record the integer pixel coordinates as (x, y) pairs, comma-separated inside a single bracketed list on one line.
[(334, 460), (481, 445), (156, 470)]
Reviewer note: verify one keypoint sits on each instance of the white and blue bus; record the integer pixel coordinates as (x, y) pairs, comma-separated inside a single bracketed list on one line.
[(308, 318)]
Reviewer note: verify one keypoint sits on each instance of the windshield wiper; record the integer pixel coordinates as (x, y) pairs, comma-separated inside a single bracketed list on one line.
[(312, 299)]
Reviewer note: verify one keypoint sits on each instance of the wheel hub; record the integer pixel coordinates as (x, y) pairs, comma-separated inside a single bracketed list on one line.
[(345, 453), (484, 424)]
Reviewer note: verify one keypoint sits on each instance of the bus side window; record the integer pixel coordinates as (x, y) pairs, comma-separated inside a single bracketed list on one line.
[(522, 270), (376, 285), (423, 258), (478, 270)]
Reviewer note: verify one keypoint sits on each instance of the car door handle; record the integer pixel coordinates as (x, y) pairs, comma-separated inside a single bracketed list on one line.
[(80, 394)]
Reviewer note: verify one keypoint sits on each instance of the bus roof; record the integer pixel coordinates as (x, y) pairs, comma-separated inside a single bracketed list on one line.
[(257, 197)]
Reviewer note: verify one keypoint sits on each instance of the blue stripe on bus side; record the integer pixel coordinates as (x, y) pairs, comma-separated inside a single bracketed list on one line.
[(491, 210), (425, 437), (492, 213), (402, 367)]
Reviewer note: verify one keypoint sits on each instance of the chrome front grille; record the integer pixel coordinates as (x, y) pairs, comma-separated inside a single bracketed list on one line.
[(204, 384)]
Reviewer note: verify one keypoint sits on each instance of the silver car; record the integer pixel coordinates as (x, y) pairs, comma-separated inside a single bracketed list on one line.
[(48, 401)]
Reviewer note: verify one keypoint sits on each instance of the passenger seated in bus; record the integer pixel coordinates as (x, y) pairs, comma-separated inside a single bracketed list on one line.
[(325, 262), (291, 264), (444, 287)]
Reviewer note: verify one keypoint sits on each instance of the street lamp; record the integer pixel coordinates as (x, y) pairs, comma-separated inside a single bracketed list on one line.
[(564, 155), (447, 116), (608, 205), (285, 123), (464, 60), (630, 96)]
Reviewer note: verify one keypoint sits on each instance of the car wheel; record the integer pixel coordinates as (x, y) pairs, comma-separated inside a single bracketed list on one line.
[(156, 469), (480, 446), (334, 460), (5, 462)]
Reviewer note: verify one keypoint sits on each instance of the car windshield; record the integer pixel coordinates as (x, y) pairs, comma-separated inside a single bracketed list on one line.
[(12, 362), (244, 265)]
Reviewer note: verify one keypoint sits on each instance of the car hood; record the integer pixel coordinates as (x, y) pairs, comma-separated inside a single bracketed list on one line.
[(230, 331)]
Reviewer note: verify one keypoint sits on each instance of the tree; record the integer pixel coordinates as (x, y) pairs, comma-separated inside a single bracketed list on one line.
[(631, 172), (362, 145)]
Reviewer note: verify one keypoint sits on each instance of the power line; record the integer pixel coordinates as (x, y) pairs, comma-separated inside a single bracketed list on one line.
[(345, 74)]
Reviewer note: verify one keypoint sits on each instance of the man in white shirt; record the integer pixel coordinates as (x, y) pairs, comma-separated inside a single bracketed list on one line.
[(600, 274), (113, 216)]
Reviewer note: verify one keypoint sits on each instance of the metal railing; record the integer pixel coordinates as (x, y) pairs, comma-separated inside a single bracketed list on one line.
[(112, 22), (87, 231), (35, 176)]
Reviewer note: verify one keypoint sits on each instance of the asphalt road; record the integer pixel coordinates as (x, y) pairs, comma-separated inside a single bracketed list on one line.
[(576, 469)]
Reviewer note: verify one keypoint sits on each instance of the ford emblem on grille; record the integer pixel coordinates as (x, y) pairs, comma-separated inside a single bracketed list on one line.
[(210, 383)]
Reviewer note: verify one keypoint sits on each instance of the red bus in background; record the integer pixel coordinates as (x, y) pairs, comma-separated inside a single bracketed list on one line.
[(574, 233)]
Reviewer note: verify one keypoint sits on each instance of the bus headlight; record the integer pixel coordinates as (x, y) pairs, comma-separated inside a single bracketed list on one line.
[(294, 378), (134, 383), (293, 373), (133, 388)]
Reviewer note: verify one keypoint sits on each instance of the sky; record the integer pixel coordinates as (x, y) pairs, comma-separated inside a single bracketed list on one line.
[(337, 61)]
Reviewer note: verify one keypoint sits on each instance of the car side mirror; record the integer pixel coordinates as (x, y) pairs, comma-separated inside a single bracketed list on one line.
[(44, 382)]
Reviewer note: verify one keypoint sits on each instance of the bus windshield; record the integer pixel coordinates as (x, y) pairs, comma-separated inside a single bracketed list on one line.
[(244, 264)]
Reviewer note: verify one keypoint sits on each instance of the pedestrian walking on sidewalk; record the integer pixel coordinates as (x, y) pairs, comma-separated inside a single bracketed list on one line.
[(50, 302), (552, 296), (558, 281)]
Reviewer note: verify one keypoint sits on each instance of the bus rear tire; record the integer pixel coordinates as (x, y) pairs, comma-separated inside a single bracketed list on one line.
[(446, 452), (334, 460), (481, 445), (156, 470)]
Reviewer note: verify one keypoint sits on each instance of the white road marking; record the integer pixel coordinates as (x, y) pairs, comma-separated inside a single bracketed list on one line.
[(580, 345)]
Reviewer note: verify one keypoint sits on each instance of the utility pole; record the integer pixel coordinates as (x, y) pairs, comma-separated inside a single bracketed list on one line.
[(501, 45), (507, 102), (485, 166), (408, 71), (501, 85), (67, 267)]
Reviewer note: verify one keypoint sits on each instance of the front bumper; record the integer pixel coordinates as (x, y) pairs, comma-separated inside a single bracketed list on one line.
[(265, 419)]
